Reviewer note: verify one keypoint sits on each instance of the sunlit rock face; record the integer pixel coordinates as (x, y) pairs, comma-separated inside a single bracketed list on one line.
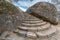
[(44, 10), (8, 16)]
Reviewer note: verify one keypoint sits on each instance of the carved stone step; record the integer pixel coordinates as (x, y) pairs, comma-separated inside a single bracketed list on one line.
[(30, 25), (48, 32), (31, 17), (31, 35), (43, 27), (44, 33), (28, 28), (21, 32), (33, 21), (26, 34)]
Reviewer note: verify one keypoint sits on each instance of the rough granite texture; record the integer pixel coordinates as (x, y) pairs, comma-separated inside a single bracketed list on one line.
[(45, 11), (29, 27), (9, 16)]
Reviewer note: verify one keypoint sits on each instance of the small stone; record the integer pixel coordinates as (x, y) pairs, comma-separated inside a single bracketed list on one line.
[(31, 35), (22, 33)]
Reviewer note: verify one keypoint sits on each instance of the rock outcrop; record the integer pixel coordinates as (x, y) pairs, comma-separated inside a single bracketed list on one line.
[(45, 11), (30, 27), (9, 16)]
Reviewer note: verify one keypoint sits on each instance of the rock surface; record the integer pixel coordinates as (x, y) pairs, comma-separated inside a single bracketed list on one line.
[(29, 27), (10, 16), (45, 11), (48, 32)]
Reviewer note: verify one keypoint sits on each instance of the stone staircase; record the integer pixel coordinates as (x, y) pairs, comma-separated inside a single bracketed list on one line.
[(35, 28)]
